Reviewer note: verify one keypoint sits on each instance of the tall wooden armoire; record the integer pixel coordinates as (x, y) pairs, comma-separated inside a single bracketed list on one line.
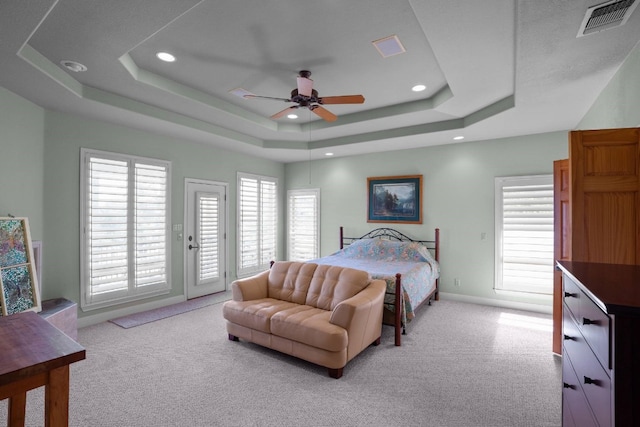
[(600, 222)]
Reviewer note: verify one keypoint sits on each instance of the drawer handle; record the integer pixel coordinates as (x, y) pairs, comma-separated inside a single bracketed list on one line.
[(568, 338), (570, 295), (565, 385), (588, 380), (586, 321)]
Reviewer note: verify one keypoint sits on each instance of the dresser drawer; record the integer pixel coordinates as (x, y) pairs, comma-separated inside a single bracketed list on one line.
[(593, 322), (595, 326), (575, 409), (572, 296), (592, 378)]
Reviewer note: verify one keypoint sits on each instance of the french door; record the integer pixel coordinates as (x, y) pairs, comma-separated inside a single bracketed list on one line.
[(205, 237)]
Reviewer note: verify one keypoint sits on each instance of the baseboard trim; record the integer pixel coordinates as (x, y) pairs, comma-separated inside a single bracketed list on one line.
[(112, 314), (537, 308)]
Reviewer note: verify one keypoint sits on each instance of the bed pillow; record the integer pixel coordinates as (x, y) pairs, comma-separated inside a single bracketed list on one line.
[(388, 250)]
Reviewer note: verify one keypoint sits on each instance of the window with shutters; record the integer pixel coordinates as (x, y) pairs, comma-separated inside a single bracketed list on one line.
[(257, 223), (303, 224), (125, 217), (524, 234)]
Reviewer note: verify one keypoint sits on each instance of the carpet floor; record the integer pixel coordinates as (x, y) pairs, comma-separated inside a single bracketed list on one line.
[(459, 365)]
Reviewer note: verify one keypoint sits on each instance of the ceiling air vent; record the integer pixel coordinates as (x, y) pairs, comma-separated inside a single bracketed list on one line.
[(606, 15)]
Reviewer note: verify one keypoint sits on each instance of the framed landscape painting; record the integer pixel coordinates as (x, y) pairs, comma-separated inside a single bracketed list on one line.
[(18, 281), (395, 199)]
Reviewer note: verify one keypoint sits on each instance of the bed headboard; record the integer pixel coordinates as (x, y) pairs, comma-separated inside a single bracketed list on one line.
[(391, 234)]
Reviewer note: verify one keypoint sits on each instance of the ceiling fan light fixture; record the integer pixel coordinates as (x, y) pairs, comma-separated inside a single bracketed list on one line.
[(389, 46), (165, 56), (418, 88), (458, 138), (292, 116)]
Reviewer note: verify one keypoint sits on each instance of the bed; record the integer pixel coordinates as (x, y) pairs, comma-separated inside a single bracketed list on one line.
[(410, 267)]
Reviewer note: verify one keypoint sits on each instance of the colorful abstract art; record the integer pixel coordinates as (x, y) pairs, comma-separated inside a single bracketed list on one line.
[(17, 289), (18, 283), (13, 250)]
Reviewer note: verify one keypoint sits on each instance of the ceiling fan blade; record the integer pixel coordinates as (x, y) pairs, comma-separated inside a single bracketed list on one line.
[(324, 113), (266, 97), (305, 86), (345, 99), (284, 112)]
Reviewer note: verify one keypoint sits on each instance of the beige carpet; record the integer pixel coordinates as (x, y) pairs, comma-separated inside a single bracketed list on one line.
[(460, 365)]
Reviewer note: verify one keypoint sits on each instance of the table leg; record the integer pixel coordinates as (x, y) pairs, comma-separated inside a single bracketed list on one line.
[(56, 398), (17, 404)]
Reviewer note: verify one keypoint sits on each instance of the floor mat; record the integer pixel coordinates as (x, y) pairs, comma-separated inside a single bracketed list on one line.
[(138, 319)]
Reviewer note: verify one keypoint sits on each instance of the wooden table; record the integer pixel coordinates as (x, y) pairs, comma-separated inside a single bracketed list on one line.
[(34, 353)]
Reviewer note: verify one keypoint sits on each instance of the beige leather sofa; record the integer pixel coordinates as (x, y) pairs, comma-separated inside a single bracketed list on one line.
[(323, 314)]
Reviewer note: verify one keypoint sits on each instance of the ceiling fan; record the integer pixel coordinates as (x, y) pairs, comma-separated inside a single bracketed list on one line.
[(306, 96)]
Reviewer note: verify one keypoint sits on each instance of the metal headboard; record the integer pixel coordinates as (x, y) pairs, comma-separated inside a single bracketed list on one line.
[(391, 234)]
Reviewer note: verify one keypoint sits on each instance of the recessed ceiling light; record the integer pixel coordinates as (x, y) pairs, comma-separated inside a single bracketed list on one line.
[(74, 66), (292, 116), (165, 56), (418, 88), (458, 138), (328, 154)]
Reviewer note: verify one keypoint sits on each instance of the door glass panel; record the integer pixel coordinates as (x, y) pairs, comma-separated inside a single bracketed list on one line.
[(208, 227)]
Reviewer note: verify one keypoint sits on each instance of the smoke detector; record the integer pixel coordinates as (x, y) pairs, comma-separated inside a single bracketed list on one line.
[(610, 14)]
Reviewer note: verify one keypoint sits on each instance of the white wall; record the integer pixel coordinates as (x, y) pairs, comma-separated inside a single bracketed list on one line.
[(21, 160), (458, 195), (618, 105)]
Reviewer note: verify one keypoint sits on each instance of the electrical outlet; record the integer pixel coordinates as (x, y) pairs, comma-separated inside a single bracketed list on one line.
[(456, 282)]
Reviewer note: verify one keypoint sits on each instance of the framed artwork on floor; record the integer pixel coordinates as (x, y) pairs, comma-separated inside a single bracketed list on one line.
[(396, 199), (19, 289)]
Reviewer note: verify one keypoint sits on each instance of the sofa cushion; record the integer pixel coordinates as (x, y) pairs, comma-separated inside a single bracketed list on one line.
[(254, 314), (289, 281), (331, 285), (311, 326)]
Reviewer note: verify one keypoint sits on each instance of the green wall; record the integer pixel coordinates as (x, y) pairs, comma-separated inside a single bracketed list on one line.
[(458, 194), (618, 105), (66, 134), (21, 160)]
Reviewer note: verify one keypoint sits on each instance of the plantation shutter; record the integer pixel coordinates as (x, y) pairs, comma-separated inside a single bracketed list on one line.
[(125, 218), (526, 231), (150, 224), (303, 224), (107, 227), (208, 225), (257, 223)]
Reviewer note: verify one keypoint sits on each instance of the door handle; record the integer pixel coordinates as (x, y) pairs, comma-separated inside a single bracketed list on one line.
[(193, 247)]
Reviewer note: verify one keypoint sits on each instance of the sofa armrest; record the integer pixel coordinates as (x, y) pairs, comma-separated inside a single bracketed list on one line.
[(250, 288), (361, 316)]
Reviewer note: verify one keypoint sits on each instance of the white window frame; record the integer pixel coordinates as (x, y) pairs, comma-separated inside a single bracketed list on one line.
[(540, 266), (309, 201), (264, 253), (89, 300)]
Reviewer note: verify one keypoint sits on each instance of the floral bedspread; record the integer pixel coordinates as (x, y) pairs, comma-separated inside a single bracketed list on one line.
[(383, 259)]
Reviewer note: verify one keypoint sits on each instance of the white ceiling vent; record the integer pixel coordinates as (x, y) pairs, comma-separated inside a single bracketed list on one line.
[(606, 15)]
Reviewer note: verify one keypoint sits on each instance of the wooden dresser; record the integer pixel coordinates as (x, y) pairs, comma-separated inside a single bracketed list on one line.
[(601, 344)]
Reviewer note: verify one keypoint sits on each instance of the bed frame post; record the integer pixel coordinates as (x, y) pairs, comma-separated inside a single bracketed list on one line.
[(398, 312), (341, 238), (437, 293)]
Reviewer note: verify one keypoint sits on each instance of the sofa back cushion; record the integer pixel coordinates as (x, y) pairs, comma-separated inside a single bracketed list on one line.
[(289, 281), (331, 285)]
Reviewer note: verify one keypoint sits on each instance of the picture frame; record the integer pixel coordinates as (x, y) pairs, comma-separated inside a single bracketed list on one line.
[(395, 199), (19, 290)]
